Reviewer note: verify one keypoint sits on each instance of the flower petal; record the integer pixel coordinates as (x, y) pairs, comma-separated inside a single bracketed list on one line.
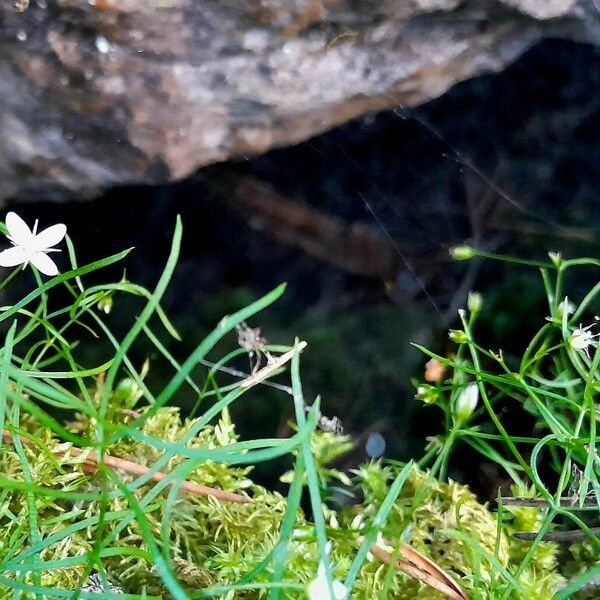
[(18, 230), (49, 237), (13, 256), (319, 590), (339, 590), (43, 263)]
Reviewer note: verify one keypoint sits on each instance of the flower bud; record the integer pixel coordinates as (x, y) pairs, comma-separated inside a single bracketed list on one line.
[(474, 302), (358, 522), (427, 393), (462, 252), (458, 336), (105, 304), (567, 306), (466, 403), (127, 392), (556, 258), (434, 371)]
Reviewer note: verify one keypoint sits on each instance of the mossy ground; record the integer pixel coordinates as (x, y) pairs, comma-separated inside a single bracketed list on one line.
[(215, 543)]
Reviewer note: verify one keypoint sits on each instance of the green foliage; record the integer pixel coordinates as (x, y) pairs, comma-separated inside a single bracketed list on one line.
[(213, 543), (68, 509), (553, 384)]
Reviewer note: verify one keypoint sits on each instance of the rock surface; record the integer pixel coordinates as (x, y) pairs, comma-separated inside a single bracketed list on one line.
[(97, 93)]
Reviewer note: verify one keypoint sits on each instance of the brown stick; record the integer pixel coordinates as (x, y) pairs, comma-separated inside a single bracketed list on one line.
[(571, 501), (425, 570), (426, 564), (188, 486), (357, 248), (137, 469), (574, 535), (267, 371)]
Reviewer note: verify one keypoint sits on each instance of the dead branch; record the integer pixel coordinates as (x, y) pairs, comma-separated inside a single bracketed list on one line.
[(134, 468)]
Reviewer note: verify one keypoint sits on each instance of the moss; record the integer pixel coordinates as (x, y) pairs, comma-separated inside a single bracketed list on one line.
[(217, 543)]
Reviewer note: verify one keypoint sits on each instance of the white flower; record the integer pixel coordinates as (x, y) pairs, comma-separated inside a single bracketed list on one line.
[(30, 246), (319, 590), (581, 339), (466, 402)]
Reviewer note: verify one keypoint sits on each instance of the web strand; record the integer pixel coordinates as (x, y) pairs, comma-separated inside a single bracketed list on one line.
[(406, 262)]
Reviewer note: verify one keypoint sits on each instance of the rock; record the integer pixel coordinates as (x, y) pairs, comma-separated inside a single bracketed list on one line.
[(98, 93)]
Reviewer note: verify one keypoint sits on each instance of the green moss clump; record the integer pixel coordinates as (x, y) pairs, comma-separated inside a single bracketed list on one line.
[(215, 543)]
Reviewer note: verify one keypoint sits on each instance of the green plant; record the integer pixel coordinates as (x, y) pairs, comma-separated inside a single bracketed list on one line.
[(100, 474), (67, 507), (555, 382)]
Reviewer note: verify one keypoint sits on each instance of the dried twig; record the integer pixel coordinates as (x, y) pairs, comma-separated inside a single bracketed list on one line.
[(554, 536), (187, 486), (574, 535), (275, 364), (137, 469), (567, 501), (236, 373), (421, 568), (332, 425), (356, 248)]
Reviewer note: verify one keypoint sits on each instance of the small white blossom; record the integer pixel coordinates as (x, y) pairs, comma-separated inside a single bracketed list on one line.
[(466, 403), (30, 246), (582, 338), (319, 590)]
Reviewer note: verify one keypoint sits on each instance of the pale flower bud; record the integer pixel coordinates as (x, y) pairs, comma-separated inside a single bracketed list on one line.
[(474, 302), (318, 589), (357, 522), (458, 336), (556, 258), (567, 306), (466, 403), (105, 304), (427, 394), (434, 371), (462, 252)]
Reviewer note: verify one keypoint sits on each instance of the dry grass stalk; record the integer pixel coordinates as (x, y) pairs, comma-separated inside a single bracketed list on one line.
[(421, 568), (136, 469)]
